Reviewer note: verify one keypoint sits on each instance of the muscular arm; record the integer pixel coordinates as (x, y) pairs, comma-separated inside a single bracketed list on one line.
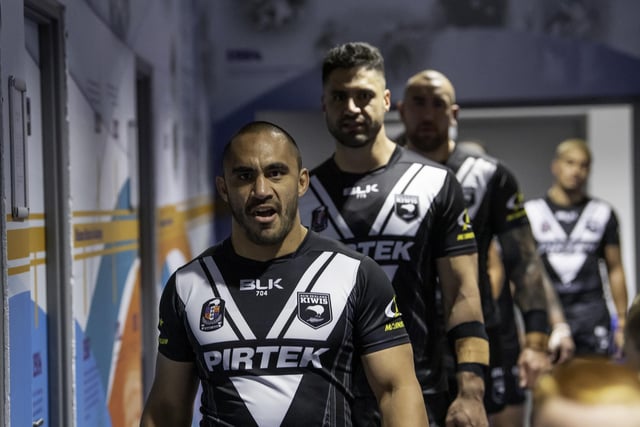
[(460, 292), (495, 268), (525, 269), (393, 380), (461, 299), (170, 402), (534, 296), (618, 285)]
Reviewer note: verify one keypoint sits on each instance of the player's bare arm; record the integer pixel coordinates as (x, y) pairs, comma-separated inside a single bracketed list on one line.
[(170, 402), (527, 273), (393, 380), (618, 285), (465, 328)]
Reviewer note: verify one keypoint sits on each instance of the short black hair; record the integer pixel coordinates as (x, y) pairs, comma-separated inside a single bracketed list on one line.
[(350, 55), (259, 126)]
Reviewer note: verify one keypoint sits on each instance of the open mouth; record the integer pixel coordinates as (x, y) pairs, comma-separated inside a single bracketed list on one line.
[(264, 214)]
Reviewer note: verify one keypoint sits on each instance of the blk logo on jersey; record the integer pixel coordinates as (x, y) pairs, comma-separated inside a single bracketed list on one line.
[(212, 316), (314, 309), (407, 207), (360, 192), (319, 218)]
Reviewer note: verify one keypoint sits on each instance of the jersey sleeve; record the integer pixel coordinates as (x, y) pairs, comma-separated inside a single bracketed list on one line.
[(173, 341), (507, 201), (453, 232), (379, 323), (612, 231)]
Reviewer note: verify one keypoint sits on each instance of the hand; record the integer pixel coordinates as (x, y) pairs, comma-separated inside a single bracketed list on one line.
[(532, 363), (467, 410), (561, 345), (618, 340)]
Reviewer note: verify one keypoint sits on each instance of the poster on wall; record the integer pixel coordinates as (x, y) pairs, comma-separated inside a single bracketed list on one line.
[(489, 48)]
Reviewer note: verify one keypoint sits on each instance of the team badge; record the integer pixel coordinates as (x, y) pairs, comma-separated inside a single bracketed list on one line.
[(592, 226), (407, 207), (319, 218), (212, 316), (314, 309)]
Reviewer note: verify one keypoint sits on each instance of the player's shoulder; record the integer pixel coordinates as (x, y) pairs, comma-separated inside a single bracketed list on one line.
[(598, 201), (326, 167), (406, 156), (214, 250), (321, 243), (536, 201)]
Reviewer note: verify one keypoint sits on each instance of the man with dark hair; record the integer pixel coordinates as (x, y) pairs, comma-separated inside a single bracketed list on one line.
[(272, 320), (408, 214)]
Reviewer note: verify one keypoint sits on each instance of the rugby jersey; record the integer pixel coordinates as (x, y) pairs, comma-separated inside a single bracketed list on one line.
[(404, 215), (495, 205), (277, 342), (571, 241)]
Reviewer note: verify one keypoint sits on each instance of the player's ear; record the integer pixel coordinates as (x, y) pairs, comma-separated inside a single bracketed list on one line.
[(387, 100), (221, 185), (303, 181)]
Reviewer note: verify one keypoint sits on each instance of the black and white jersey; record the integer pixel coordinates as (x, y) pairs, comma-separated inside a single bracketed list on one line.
[(571, 241), (495, 204), (276, 343), (404, 215)]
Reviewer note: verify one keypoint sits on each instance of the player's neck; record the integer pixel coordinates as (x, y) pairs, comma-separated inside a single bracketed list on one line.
[(440, 154), (366, 158), (259, 252), (562, 197)]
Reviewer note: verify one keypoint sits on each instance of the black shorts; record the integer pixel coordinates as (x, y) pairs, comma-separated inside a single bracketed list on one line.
[(513, 394), (494, 381), (590, 325)]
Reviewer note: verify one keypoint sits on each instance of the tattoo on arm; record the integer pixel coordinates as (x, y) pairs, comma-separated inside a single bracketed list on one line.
[(525, 269)]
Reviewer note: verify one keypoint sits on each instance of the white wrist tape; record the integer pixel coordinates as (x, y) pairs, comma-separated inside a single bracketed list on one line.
[(560, 331)]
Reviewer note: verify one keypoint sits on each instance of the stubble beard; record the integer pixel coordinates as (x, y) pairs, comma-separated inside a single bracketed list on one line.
[(266, 235), (428, 144), (355, 140)]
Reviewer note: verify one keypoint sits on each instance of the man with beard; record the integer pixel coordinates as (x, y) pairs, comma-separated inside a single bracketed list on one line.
[(408, 214), (272, 320), (575, 233), (495, 205)]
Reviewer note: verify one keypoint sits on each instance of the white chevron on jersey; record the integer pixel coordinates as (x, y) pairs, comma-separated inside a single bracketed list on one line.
[(475, 173), (588, 229), (341, 271), (413, 182), (334, 213), (193, 288), (232, 312), (276, 394), (289, 308), (389, 204), (542, 216)]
